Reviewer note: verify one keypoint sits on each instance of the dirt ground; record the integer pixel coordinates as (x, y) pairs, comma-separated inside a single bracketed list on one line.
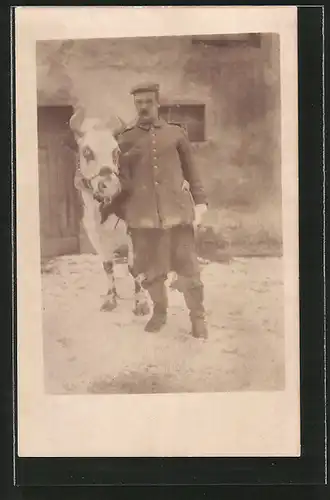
[(88, 351)]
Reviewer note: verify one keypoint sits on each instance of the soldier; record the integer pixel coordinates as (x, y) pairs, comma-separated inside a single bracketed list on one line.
[(165, 199)]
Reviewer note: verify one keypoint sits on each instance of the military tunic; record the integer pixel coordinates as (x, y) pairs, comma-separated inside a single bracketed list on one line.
[(155, 165)]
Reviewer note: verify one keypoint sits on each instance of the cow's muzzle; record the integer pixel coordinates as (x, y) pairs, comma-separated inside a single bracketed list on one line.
[(105, 171)]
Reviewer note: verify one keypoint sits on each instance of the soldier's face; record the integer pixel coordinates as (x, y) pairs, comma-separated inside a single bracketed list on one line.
[(146, 104)]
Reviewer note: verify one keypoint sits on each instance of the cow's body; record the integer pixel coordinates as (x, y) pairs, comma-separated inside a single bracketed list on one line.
[(97, 181)]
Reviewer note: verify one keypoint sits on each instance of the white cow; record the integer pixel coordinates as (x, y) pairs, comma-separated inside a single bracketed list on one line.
[(97, 181)]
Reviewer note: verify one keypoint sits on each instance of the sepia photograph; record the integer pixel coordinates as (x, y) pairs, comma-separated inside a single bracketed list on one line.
[(193, 125), (160, 213)]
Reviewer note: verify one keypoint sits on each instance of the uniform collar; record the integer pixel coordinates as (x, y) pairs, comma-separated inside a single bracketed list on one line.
[(146, 126)]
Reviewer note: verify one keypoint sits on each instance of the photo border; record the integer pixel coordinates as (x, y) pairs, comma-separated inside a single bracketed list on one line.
[(310, 467)]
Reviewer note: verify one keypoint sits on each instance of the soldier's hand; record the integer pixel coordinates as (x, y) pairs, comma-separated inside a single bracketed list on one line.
[(199, 212), (98, 197)]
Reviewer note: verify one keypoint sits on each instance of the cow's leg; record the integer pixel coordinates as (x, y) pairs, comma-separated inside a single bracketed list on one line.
[(110, 300), (94, 232), (141, 304), (107, 253)]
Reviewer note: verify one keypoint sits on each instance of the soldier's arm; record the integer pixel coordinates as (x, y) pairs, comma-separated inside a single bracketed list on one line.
[(123, 166), (190, 170)]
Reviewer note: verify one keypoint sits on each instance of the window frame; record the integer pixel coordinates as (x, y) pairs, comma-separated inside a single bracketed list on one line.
[(167, 107)]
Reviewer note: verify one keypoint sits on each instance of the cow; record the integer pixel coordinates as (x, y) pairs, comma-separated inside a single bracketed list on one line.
[(97, 182)]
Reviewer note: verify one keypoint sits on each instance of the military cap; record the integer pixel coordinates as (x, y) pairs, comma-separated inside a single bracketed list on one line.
[(145, 87)]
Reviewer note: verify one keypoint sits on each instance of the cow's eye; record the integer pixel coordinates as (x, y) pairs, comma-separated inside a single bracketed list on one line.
[(88, 153)]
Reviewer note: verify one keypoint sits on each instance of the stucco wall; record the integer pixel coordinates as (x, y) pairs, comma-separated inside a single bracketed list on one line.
[(239, 161)]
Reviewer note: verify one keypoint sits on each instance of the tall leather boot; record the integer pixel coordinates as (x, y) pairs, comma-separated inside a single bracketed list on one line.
[(194, 298), (158, 295)]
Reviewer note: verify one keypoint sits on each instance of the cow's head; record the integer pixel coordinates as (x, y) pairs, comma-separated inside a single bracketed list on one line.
[(98, 152)]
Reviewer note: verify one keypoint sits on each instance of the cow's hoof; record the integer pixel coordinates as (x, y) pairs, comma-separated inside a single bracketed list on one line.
[(108, 306), (141, 309)]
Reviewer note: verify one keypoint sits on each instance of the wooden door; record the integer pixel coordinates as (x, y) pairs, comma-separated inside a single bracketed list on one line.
[(58, 202)]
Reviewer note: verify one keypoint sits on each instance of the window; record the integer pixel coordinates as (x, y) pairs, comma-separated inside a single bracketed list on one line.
[(190, 116)]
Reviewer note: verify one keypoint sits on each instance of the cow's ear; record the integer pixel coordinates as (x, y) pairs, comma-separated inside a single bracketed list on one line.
[(77, 120)]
